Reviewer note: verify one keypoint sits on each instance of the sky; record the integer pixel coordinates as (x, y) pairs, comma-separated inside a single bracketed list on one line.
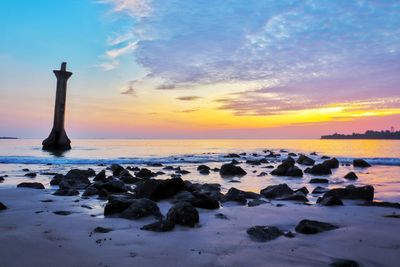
[(201, 69)]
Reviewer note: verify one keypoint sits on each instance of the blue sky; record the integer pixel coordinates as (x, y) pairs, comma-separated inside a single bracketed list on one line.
[(210, 65)]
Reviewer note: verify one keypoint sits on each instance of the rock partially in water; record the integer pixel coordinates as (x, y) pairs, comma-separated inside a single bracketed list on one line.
[(62, 212), (116, 169), (230, 169), (31, 185), (319, 190), (332, 163), (159, 189), (30, 174), (353, 192), (183, 214), (344, 263), (2, 206), (159, 226), (66, 192), (330, 201), (101, 176), (360, 163), (256, 202), (313, 227), (221, 216), (319, 181), (276, 191), (318, 169), (102, 230), (264, 233), (304, 160), (145, 173), (351, 176), (140, 208), (239, 196)]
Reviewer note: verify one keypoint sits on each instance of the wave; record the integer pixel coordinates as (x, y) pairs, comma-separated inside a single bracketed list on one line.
[(200, 158)]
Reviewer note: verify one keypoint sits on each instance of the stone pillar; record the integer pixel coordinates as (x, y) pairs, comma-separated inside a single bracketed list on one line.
[(58, 139)]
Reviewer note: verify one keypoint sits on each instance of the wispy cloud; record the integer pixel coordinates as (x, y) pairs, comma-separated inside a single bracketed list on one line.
[(129, 91), (188, 98)]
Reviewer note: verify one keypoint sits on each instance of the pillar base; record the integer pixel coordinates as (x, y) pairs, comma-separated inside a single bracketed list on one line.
[(57, 140)]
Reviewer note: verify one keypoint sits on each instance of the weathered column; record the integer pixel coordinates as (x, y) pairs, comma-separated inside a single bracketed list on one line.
[(58, 139)]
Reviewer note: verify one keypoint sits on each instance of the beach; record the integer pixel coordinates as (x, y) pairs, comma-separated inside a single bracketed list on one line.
[(39, 228)]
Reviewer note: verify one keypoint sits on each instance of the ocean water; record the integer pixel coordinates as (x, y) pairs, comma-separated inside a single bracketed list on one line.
[(384, 155)]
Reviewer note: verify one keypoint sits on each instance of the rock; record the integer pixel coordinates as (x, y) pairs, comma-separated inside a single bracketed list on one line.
[(31, 185), (183, 172), (318, 169), (127, 178), (256, 202), (325, 157), (204, 171), (319, 190), (75, 178), (116, 169), (351, 176), (264, 233), (239, 196), (332, 163), (229, 169), (276, 191), (102, 230), (144, 173), (112, 186), (101, 176), (154, 164), (304, 160), (330, 201), (159, 189), (62, 212), (183, 196), (344, 263), (261, 174), (2, 206), (360, 163), (117, 205), (383, 204), (159, 226), (319, 181), (140, 208), (66, 192), (1, 179), (203, 167), (352, 192), (25, 170), (221, 216), (292, 154), (183, 214), (205, 200), (136, 169), (56, 179), (90, 191), (299, 196), (313, 227), (232, 155), (30, 175), (303, 190), (291, 171)]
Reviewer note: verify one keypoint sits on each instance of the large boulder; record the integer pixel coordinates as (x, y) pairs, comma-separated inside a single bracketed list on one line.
[(183, 213), (117, 205), (239, 196), (276, 191), (159, 189), (332, 163), (304, 160), (77, 179), (230, 169), (318, 169), (264, 233), (140, 208), (353, 192), (205, 200), (31, 185), (360, 163), (313, 227)]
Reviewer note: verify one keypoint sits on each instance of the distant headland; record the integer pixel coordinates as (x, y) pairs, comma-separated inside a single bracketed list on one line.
[(7, 137), (367, 135)]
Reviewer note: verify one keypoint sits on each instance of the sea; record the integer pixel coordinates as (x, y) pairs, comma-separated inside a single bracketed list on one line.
[(19, 156)]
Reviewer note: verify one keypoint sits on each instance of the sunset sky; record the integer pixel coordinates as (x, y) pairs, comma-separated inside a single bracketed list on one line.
[(201, 69)]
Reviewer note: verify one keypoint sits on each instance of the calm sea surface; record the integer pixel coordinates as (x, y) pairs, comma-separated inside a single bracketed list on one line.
[(384, 155)]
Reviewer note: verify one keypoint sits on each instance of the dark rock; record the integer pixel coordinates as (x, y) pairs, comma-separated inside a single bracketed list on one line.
[(276, 191), (232, 155), (101, 176), (183, 172), (159, 226), (116, 169), (102, 230), (159, 189), (313, 153), (127, 178), (330, 201), (90, 191), (318, 169), (140, 208), (2, 206), (205, 200), (261, 174), (264, 233), (235, 162), (319, 190), (319, 181), (313, 227), (154, 164), (144, 173), (135, 169), (75, 178), (304, 160), (66, 192), (239, 196), (30, 175), (56, 179), (25, 170), (303, 190), (360, 163), (325, 157), (31, 185), (1, 179), (382, 204), (292, 154), (287, 168), (117, 205), (62, 212), (344, 263), (229, 169), (183, 196), (203, 167), (183, 214), (256, 202), (351, 176), (221, 216), (112, 186), (332, 163), (352, 192), (299, 196), (204, 171)]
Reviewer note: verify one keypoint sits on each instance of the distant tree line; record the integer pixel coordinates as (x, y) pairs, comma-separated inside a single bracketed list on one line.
[(367, 135)]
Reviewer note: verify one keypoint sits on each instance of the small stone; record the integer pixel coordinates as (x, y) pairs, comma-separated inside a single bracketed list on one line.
[(62, 212), (313, 227)]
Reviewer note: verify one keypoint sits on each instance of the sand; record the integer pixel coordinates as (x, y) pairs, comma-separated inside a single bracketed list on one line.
[(32, 235)]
